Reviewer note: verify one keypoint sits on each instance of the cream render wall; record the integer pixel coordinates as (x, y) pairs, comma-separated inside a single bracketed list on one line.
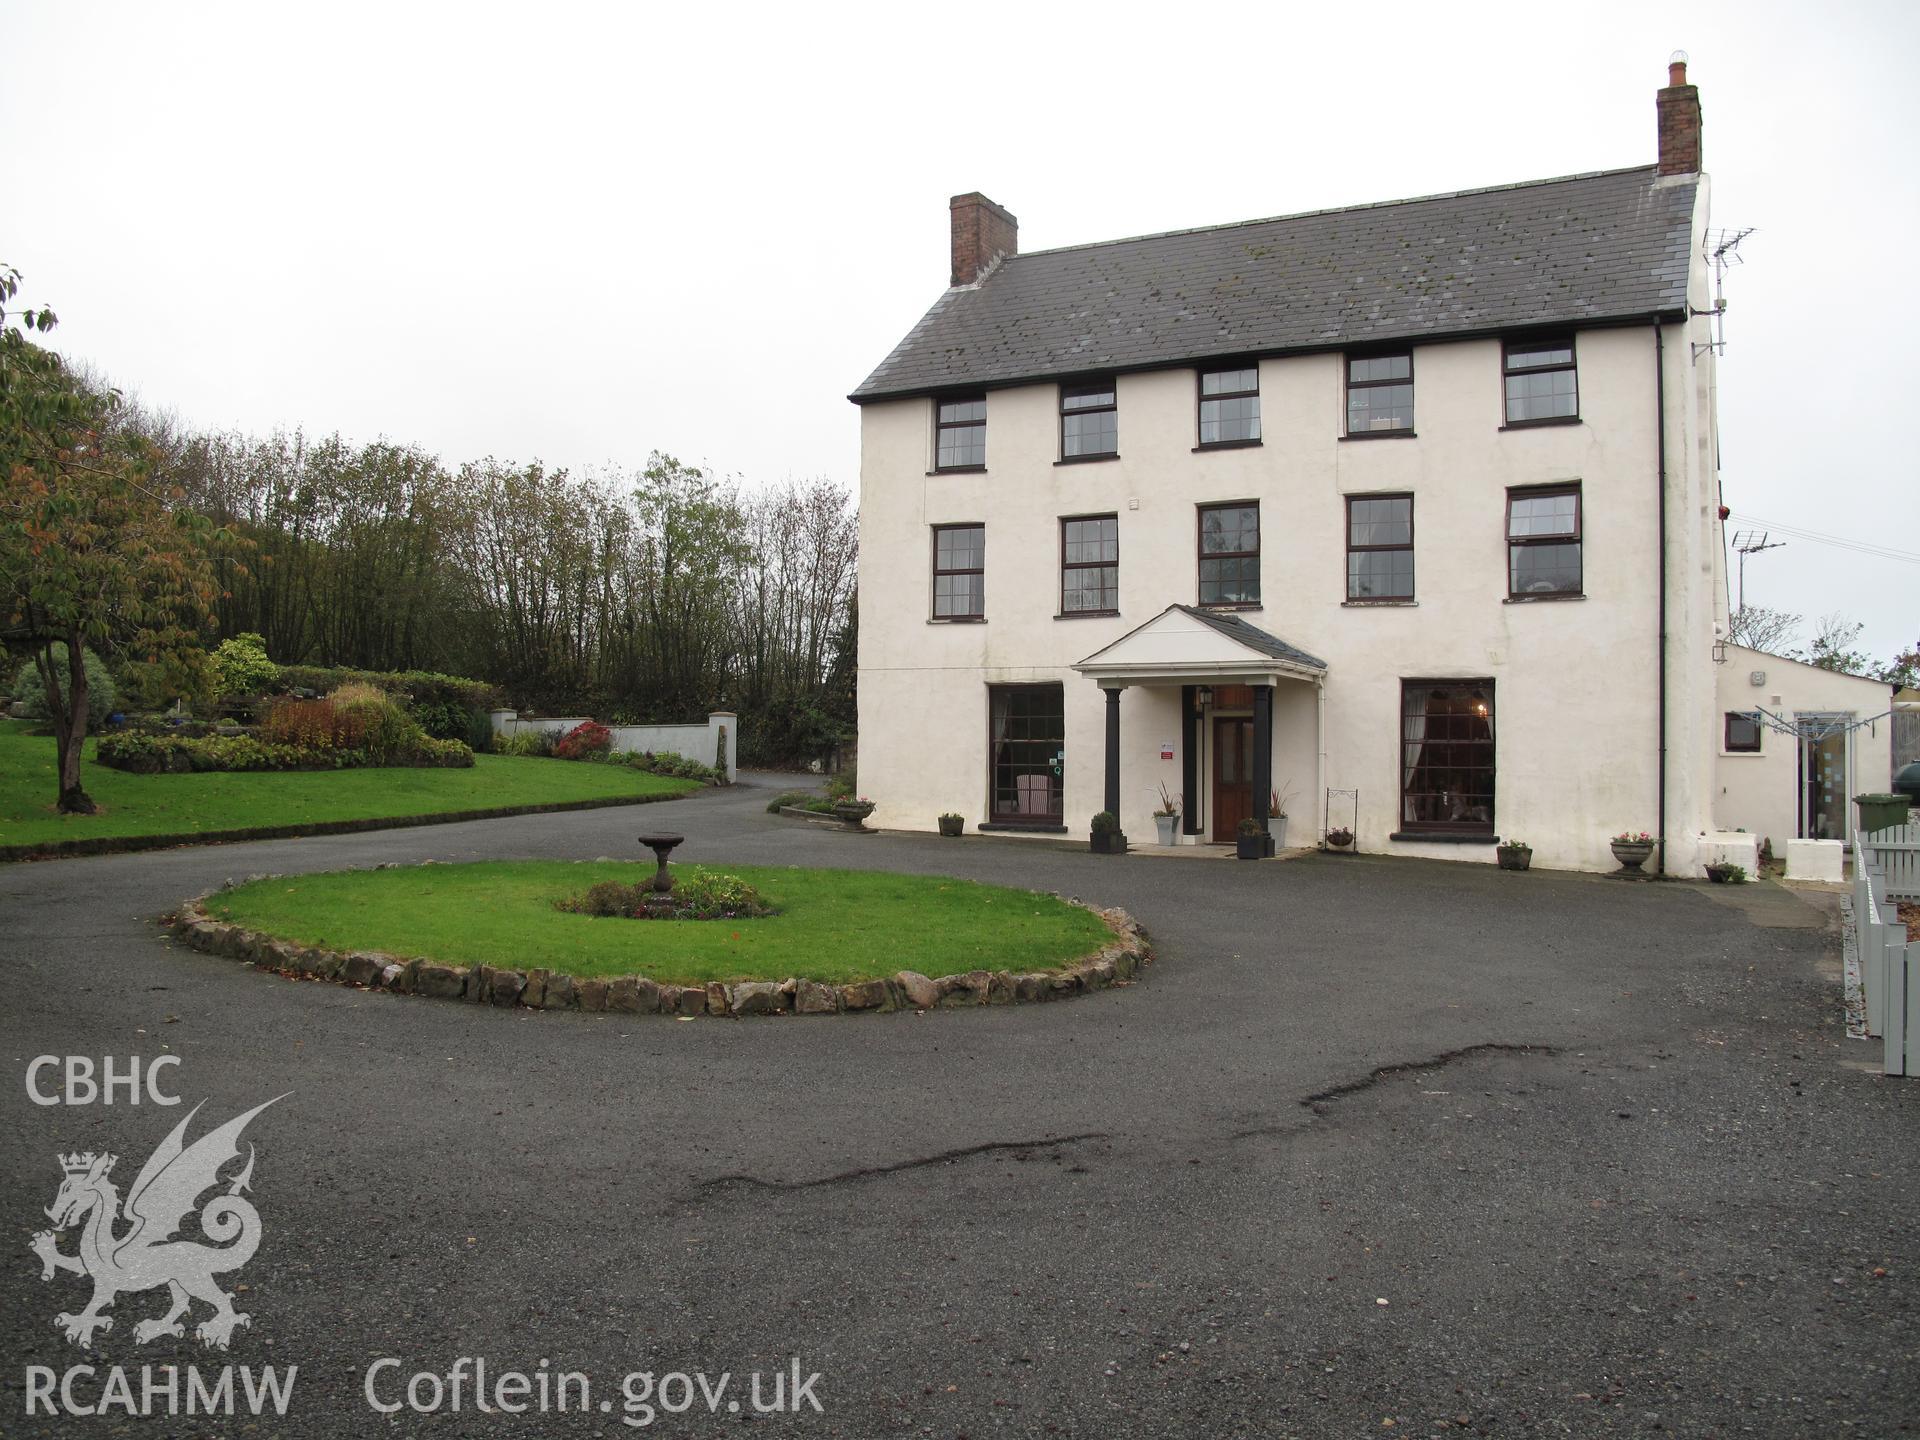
[(1576, 680), (1760, 792)]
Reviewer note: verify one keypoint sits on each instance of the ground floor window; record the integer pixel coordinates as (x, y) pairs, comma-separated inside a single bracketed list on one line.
[(1026, 752), (1446, 755)]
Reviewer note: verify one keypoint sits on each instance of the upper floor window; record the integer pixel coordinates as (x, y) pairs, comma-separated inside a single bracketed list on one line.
[(1229, 554), (1380, 547), (1379, 394), (1090, 565), (1743, 732), (960, 440), (1542, 383), (1230, 406), (959, 572), (1089, 421), (1543, 541)]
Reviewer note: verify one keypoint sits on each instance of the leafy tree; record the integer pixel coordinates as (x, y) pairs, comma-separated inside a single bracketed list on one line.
[(91, 552), (1758, 628), (1904, 669), (1832, 647)]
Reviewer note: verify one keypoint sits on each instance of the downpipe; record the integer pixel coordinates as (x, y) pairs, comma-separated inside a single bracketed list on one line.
[(1660, 432)]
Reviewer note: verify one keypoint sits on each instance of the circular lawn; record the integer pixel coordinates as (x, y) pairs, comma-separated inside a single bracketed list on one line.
[(833, 926)]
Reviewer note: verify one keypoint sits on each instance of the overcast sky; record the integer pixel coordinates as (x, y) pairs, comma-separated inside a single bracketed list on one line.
[(581, 233)]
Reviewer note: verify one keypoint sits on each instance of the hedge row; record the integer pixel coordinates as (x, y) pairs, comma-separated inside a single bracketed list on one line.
[(148, 754)]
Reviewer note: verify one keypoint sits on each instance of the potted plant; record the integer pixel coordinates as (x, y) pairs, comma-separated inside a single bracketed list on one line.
[(1514, 854), (1725, 872), (1250, 841), (952, 824), (853, 812), (1166, 816), (1340, 838), (1277, 815), (1107, 838), (1632, 848)]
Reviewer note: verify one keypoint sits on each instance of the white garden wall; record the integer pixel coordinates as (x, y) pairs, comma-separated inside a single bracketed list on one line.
[(695, 742)]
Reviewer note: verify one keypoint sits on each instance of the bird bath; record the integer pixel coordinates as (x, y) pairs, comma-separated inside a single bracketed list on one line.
[(662, 846)]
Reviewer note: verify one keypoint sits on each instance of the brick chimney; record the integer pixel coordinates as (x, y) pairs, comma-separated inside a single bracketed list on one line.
[(982, 233), (1679, 107)]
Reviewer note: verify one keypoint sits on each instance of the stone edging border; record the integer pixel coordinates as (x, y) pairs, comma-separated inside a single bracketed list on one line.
[(1115, 964), (128, 844)]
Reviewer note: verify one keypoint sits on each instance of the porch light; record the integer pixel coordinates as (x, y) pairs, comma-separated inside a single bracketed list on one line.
[(1202, 697)]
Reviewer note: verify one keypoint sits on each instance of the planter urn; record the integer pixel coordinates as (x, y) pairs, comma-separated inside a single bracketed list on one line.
[(1108, 842), (1632, 854), (853, 812), (1515, 857), (951, 825), (1277, 832), (1169, 828), (1250, 847), (1340, 839)]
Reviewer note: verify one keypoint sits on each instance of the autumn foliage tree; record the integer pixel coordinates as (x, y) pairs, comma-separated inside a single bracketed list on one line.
[(93, 551)]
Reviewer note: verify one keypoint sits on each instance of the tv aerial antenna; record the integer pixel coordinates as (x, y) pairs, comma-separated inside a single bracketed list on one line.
[(1723, 253), (1751, 542)]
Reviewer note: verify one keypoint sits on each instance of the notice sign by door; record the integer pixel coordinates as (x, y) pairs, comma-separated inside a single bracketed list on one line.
[(1166, 749)]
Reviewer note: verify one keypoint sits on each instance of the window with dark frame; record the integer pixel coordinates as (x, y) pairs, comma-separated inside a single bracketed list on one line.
[(1379, 394), (1743, 732), (1089, 421), (959, 572), (1026, 748), (1446, 756), (1543, 541), (1230, 554), (960, 434), (1542, 381), (1380, 547), (1090, 565), (1230, 406)]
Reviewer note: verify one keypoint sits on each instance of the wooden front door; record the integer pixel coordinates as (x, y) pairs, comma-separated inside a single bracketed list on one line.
[(1232, 776)]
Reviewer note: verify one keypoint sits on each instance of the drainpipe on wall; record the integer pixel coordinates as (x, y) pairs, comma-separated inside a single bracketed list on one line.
[(1660, 422), (1320, 736)]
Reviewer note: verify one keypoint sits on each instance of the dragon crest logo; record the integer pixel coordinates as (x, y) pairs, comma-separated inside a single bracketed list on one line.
[(146, 1254)]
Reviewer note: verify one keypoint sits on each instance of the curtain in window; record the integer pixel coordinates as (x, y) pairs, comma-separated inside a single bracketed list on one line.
[(1413, 737)]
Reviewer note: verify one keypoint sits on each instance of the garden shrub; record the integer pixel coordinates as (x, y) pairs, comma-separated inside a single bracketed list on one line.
[(666, 762), (241, 667), (480, 736), (440, 704), (697, 894), (527, 743), (28, 690), (585, 739), (145, 753)]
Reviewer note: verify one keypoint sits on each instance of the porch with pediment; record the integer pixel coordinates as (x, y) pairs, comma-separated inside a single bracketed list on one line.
[(1227, 672)]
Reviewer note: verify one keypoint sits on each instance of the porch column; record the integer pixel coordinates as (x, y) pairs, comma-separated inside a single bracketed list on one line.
[(1262, 753), (1189, 761), (1112, 806)]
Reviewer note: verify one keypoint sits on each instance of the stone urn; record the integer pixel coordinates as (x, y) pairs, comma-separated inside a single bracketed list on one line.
[(1514, 857), (1168, 826), (1632, 854), (853, 812)]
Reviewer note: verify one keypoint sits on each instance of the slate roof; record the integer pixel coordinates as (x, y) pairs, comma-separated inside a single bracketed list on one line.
[(1587, 249), (1252, 636)]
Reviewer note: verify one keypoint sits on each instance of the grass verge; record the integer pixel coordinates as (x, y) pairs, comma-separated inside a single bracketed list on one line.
[(192, 806), (834, 926)]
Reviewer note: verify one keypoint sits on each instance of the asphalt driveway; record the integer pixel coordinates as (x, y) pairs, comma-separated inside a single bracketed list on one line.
[(1374, 1141)]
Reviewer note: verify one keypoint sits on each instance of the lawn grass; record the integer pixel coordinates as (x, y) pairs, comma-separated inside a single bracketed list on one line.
[(834, 925), (133, 805)]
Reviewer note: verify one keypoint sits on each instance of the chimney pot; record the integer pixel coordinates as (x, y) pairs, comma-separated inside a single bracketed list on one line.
[(1678, 108), (983, 233)]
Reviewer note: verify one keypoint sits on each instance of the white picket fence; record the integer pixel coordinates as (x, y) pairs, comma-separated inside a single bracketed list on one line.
[(1896, 852), (1889, 967)]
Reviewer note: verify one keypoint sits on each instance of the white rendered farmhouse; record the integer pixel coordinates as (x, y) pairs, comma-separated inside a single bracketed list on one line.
[(1414, 503)]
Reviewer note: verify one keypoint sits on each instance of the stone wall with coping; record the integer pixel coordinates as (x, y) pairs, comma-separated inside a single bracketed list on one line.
[(696, 742)]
